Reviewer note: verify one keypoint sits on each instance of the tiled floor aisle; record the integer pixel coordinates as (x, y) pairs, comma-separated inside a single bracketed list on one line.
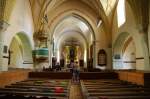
[(75, 92)]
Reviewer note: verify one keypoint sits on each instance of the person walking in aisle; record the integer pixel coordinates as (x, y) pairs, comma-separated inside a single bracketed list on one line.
[(76, 72)]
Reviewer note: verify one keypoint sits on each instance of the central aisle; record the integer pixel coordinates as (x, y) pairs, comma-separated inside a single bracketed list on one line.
[(75, 92)]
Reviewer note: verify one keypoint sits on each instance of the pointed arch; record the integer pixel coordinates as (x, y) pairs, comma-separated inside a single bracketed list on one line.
[(21, 50)]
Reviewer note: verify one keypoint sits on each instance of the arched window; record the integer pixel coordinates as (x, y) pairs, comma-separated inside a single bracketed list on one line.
[(121, 12), (102, 57)]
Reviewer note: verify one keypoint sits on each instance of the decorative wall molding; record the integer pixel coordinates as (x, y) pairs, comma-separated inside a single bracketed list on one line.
[(139, 58), (27, 62), (3, 25), (5, 56), (129, 61)]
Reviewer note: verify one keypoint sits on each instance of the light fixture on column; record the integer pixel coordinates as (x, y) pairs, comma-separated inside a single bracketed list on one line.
[(99, 22), (45, 18), (3, 25)]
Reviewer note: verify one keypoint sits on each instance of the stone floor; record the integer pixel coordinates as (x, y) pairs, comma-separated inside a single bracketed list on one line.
[(75, 92)]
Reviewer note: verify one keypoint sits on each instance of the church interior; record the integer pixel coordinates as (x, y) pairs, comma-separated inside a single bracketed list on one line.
[(46, 44)]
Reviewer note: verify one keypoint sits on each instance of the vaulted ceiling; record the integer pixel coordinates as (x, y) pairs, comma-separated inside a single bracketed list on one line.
[(103, 9), (141, 12), (40, 7)]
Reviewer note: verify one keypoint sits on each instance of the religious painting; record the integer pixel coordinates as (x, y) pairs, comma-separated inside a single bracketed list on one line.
[(102, 57)]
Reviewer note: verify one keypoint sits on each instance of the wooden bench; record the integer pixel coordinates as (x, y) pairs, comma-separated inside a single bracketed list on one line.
[(30, 88), (92, 89), (121, 97)]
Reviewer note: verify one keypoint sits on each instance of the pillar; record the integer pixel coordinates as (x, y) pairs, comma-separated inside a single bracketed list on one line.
[(94, 54), (144, 42), (109, 58), (50, 54), (3, 28)]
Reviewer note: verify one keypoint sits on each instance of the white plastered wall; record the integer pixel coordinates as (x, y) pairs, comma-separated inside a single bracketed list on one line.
[(131, 28), (16, 57), (101, 43), (20, 21), (129, 61)]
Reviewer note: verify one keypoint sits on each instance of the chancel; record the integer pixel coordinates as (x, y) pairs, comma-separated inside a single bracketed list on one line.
[(74, 49)]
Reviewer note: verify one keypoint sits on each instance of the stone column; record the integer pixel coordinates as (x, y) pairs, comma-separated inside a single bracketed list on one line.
[(94, 54), (50, 53), (144, 41), (3, 28), (149, 37), (109, 58)]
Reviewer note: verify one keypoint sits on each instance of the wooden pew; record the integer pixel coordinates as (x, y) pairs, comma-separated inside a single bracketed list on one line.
[(27, 87), (111, 90), (119, 89), (51, 75), (121, 97), (119, 93), (31, 89)]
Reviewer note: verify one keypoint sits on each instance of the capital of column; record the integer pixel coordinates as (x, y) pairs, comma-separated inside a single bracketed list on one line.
[(139, 27), (143, 28), (94, 42), (3, 25)]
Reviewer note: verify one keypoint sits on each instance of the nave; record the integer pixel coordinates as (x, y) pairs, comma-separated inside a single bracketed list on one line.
[(109, 40)]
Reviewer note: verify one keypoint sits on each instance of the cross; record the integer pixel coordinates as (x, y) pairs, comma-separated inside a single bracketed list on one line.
[(9, 56)]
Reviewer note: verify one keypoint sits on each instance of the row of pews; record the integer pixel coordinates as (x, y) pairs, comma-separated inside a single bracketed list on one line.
[(113, 89), (37, 89)]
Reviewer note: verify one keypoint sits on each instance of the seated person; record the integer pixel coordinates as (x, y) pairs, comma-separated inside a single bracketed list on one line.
[(58, 68), (44, 68), (71, 67)]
